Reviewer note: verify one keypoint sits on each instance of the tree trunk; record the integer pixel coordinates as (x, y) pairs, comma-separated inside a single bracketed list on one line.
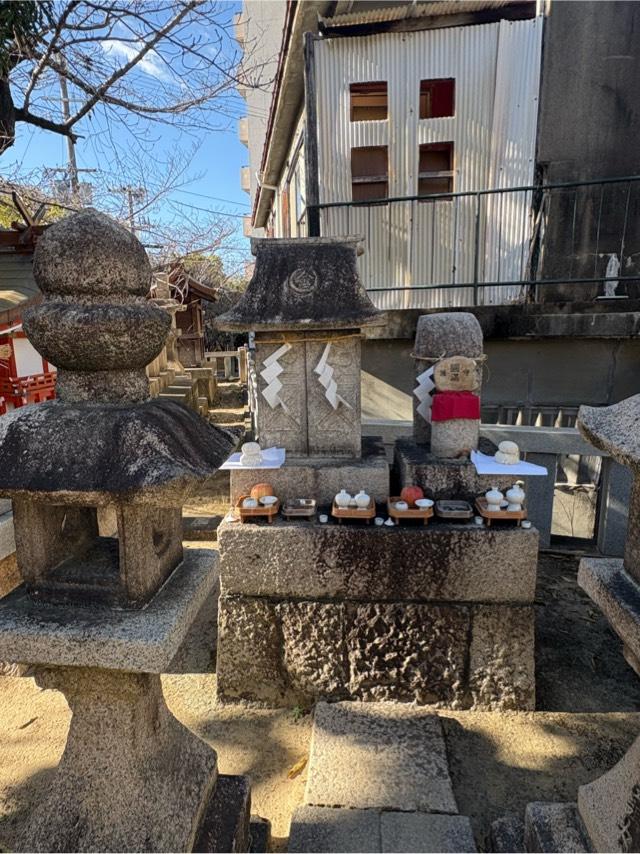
[(7, 116)]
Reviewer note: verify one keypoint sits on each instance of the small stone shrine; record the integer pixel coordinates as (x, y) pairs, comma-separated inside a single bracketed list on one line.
[(607, 814), (310, 609), (307, 308), (101, 616)]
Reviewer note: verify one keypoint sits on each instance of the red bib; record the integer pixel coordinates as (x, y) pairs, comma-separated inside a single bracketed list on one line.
[(455, 404)]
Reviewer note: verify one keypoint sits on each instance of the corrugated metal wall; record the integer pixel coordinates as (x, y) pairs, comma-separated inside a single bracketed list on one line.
[(496, 69)]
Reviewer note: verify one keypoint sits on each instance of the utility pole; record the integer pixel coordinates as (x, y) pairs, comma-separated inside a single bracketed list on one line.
[(134, 194), (66, 115)]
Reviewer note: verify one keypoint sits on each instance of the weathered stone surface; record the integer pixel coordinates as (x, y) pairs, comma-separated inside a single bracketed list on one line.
[(614, 429), (407, 652), (420, 832), (443, 478), (63, 558), (378, 755), (146, 453), (632, 543), (501, 659), (616, 594), (454, 439), (295, 652), (138, 641), (610, 806), (90, 255), (224, 826), (249, 650), (320, 478), (507, 835), (443, 562), (555, 828), (97, 337), (10, 576), (314, 664), (260, 835), (323, 829), (438, 335), (7, 538), (131, 778), (309, 283)]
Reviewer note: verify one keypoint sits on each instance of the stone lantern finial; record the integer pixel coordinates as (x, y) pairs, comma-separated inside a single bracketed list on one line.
[(95, 323)]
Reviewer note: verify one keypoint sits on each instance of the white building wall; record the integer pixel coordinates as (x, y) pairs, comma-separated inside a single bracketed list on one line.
[(409, 244), (264, 20)]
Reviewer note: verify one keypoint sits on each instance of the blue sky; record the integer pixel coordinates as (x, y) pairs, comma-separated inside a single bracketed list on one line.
[(211, 181)]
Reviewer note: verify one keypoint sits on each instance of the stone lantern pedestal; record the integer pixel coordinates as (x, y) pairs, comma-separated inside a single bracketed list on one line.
[(103, 609)]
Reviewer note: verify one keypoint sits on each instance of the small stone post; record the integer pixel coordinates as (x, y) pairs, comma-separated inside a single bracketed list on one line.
[(440, 336), (102, 612)]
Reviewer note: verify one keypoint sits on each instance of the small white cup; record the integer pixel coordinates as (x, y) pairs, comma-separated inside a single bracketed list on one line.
[(250, 503), (478, 520), (525, 524), (402, 505), (379, 520), (323, 518)]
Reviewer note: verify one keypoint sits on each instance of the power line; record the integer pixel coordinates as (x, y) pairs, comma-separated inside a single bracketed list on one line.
[(213, 198), (208, 210)]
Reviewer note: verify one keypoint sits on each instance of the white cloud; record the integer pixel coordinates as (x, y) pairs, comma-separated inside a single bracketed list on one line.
[(150, 64)]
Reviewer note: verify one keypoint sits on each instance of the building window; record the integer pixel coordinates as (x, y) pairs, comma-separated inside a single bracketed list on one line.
[(368, 101), (437, 98), (369, 173), (435, 174)]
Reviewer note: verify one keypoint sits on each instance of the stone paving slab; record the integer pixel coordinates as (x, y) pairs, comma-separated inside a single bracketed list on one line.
[(327, 829), (416, 831), (379, 756), (143, 641)]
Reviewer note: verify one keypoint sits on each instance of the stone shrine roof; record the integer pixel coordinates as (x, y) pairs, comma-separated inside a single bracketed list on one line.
[(614, 429), (303, 283)]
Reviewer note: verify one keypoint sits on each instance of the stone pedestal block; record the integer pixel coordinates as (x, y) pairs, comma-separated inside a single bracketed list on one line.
[(440, 615), (442, 478), (315, 477), (131, 778), (285, 653)]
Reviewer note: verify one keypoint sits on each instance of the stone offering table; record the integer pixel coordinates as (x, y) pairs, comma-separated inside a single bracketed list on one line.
[(440, 615), (98, 478)]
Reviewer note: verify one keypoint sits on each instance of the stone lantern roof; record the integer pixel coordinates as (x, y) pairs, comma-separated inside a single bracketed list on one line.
[(614, 429), (303, 284)]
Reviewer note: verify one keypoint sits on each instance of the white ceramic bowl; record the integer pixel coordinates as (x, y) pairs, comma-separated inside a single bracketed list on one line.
[(401, 505), (423, 503), (268, 500), (250, 503)]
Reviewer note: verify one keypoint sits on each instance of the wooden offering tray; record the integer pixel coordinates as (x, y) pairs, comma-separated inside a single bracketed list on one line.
[(261, 511), (447, 509), (423, 513), (500, 515), (300, 507), (365, 514)]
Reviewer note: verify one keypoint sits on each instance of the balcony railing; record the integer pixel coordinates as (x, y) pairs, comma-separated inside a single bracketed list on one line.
[(495, 246)]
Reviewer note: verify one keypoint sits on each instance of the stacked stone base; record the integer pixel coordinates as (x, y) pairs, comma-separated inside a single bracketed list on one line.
[(441, 616)]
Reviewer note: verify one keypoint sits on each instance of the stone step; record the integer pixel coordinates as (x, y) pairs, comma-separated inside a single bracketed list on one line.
[(223, 415), (231, 394), (325, 829), (200, 527), (385, 756)]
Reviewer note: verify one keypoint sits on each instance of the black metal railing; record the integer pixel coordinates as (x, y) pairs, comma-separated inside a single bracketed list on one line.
[(496, 245)]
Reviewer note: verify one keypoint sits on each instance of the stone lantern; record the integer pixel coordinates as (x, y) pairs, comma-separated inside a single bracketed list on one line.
[(101, 616)]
